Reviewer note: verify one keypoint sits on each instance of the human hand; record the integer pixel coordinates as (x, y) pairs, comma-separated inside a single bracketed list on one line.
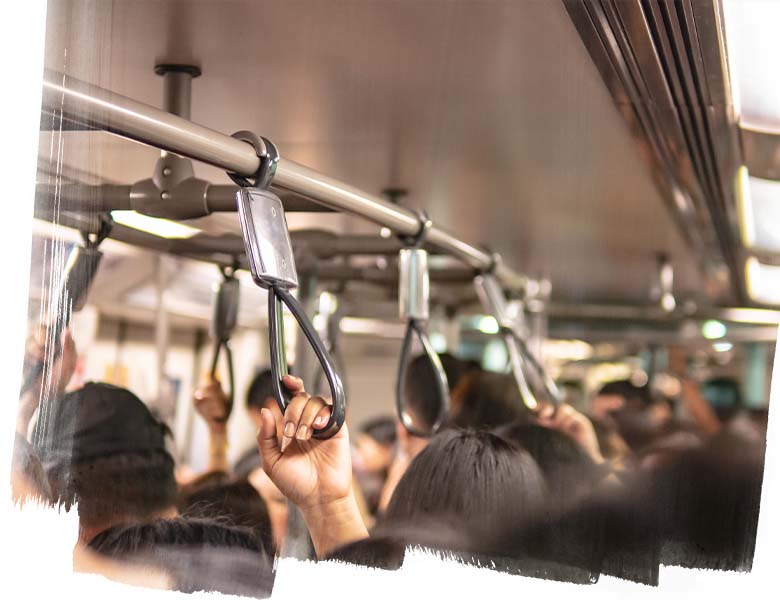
[(566, 419), (63, 365), (309, 471), (211, 403)]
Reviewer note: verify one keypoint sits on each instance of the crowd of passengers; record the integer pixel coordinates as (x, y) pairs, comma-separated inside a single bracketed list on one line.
[(634, 481)]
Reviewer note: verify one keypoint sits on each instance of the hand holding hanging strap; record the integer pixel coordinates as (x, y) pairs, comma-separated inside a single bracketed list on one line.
[(271, 261), (223, 322), (71, 295)]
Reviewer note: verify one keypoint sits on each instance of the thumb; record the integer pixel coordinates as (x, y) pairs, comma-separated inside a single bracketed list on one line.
[(267, 442)]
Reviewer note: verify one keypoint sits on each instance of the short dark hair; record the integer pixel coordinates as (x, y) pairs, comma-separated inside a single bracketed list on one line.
[(261, 388), (485, 399), (627, 390), (128, 485), (199, 554), (234, 503), (486, 479), (381, 429), (564, 463)]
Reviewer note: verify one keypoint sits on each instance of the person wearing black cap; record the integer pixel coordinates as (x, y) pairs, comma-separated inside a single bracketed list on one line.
[(101, 448)]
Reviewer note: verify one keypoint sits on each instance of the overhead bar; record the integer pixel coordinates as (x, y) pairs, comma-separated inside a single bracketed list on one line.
[(96, 107)]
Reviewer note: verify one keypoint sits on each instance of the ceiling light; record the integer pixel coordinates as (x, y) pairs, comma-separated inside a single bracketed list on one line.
[(746, 216), (164, 228), (752, 44), (722, 347), (713, 330), (762, 281), (487, 324)]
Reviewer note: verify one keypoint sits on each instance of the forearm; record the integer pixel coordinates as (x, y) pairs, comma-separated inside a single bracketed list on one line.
[(334, 524), (218, 445)]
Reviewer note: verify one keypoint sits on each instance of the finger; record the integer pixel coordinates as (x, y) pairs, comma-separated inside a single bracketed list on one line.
[(267, 443), (309, 414), (292, 383), (322, 418), (292, 415)]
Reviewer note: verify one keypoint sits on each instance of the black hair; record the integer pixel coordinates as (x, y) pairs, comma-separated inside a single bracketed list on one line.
[(564, 463), (199, 554), (627, 390), (420, 392), (485, 399), (456, 368), (127, 485), (261, 388), (486, 479), (381, 429), (235, 503)]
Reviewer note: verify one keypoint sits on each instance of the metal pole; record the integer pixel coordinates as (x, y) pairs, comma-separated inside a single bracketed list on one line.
[(121, 115)]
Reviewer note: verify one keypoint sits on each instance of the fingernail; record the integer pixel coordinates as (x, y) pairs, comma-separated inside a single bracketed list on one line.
[(301, 435), (285, 442), (319, 421), (289, 429)]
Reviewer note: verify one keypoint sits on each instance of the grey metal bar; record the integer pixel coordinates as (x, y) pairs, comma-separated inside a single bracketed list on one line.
[(120, 115)]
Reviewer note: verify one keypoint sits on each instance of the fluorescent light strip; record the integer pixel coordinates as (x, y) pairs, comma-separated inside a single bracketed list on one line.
[(164, 228), (762, 281), (747, 223)]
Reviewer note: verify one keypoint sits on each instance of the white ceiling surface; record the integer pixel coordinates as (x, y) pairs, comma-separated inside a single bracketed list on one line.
[(490, 113)]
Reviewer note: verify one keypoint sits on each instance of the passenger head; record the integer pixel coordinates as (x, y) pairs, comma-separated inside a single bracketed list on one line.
[(420, 395), (485, 399), (567, 468), (474, 478), (723, 395), (456, 369), (198, 554), (260, 395), (101, 447), (233, 503), (616, 396), (374, 444)]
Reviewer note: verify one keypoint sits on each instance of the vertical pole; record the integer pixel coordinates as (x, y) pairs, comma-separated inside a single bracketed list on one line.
[(298, 543), (165, 406)]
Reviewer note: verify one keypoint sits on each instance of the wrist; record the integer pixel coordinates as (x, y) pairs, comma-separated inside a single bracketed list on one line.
[(334, 523)]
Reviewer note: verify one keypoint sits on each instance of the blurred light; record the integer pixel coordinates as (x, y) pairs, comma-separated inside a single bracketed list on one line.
[(759, 212), (752, 44), (495, 356), (487, 324), (357, 325), (385, 232), (745, 214), (722, 347), (319, 321), (566, 350), (160, 227), (668, 303), (438, 341), (639, 378), (713, 330), (762, 281), (327, 303)]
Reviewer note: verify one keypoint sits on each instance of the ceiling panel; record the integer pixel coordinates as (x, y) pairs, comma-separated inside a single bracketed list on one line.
[(491, 113)]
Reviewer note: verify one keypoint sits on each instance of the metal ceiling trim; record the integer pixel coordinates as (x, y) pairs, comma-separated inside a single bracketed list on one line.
[(651, 55)]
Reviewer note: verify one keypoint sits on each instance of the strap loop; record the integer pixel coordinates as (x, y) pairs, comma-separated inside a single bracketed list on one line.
[(269, 158)]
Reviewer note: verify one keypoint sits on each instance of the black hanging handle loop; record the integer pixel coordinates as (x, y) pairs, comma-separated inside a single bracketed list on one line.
[(277, 275), (277, 297), (225, 314), (79, 273), (413, 327), (416, 325)]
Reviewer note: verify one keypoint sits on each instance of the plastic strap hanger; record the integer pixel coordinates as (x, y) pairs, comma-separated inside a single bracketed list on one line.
[(223, 322), (413, 296), (492, 298), (76, 280), (271, 262)]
